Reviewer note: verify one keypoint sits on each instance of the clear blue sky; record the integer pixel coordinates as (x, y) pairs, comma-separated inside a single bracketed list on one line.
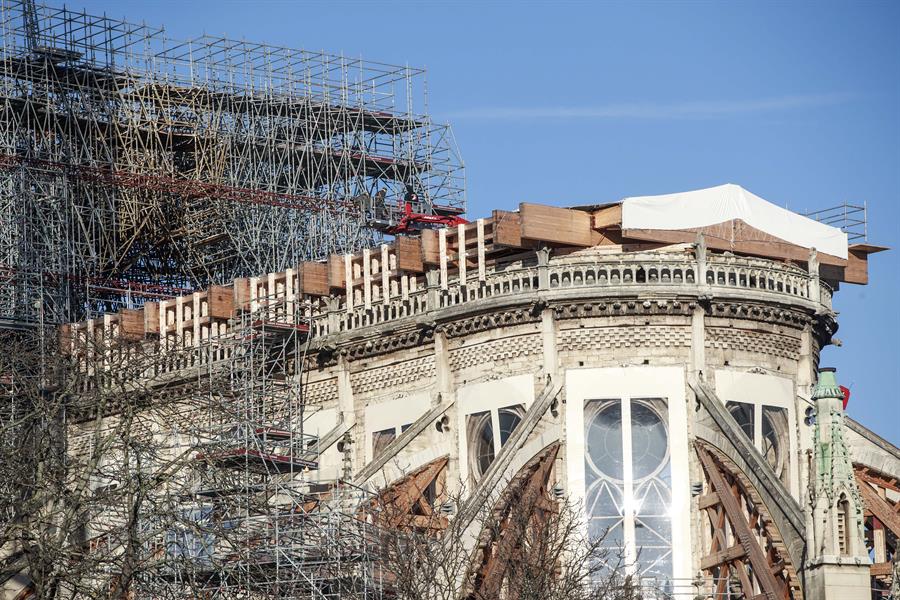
[(572, 103)]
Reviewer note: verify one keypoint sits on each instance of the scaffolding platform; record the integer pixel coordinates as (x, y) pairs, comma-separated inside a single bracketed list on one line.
[(257, 461)]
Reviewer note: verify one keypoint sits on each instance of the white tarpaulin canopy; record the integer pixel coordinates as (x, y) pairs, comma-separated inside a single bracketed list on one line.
[(700, 208)]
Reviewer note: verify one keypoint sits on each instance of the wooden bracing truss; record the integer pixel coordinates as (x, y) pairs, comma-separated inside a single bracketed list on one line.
[(522, 510), (881, 499), (745, 555), (410, 502)]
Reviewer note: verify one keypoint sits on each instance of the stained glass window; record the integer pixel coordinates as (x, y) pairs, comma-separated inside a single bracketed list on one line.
[(628, 481)]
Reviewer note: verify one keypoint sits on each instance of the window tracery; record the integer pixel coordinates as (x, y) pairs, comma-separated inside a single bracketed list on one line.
[(628, 481)]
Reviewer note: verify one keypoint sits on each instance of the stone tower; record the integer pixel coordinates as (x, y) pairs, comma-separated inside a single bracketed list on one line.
[(838, 563)]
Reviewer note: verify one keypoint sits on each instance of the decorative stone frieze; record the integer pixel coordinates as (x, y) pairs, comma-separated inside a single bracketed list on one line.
[(600, 338), (321, 392), (418, 371), (495, 351), (743, 340)]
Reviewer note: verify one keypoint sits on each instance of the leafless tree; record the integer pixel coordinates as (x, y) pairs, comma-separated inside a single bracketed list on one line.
[(80, 467), (430, 555), (107, 492)]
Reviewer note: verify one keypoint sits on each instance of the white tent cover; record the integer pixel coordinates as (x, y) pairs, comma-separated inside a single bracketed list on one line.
[(700, 208)]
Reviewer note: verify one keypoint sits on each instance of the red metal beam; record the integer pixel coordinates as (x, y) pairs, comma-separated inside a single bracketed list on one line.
[(187, 188)]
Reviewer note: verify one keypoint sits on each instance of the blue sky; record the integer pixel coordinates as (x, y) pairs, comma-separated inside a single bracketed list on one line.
[(577, 102)]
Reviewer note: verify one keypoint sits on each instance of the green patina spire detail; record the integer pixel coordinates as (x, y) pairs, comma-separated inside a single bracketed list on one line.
[(827, 386), (833, 464)]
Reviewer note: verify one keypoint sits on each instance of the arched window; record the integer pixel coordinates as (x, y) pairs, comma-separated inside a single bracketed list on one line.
[(843, 525), (769, 435), (483, 444), (775, 440), (743, 413), (628, 481)]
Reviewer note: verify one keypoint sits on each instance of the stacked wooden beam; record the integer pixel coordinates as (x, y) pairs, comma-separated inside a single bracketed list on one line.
[(393, 271)]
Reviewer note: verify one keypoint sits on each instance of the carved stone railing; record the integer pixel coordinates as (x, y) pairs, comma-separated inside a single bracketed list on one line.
[(585, 275), (614, 273)]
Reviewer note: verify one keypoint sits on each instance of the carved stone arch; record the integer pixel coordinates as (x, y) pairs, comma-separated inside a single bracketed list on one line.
[(744, 552), (848, 506), (520, 508), (410, 502)]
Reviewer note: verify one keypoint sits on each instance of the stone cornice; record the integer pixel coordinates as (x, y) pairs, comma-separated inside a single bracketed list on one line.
[(511, 311)]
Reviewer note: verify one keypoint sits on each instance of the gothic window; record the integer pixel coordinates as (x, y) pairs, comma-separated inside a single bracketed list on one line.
[(774, 440), (481, 440), (381, 439), (483, 444), (743, 414), (628, 481), (769, 435)]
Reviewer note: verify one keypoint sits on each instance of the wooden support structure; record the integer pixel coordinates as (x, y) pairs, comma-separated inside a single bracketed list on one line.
[(522, 512), (312, 278), (507, 229), (410, 256), (221, 302), (741, 543), (431, 254), (336, 272), (131, 324), (151, 317), (395, 271), (553, 225), (882, 522), (880, 508), (410, 502), (242, 293)]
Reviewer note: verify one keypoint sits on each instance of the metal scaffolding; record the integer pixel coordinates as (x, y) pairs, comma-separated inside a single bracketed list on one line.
[(134, 166), (253, 519)]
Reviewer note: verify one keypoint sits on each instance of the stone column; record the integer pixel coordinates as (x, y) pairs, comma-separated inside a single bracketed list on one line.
[(543, 256), (433, 293), (814, 286)]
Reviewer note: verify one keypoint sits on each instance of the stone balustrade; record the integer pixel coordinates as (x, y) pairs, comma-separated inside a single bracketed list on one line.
[(607, 275), (585, 275)]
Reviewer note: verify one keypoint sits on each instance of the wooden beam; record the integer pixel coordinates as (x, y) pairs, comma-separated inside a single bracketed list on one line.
[(131, 324), (220, 300), (717, 558), (889, 481), (608, 216), (400, 497), (336, 277), (735, 236), (879, 507), (242, 293), (151, 317), (741, 529), (883, 569), (431, 254), (65, 339), (312, 278), (409, 254), (521, 506), (507, 229), (479, 233), (556, 225), (857, 270), (708, 500)]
